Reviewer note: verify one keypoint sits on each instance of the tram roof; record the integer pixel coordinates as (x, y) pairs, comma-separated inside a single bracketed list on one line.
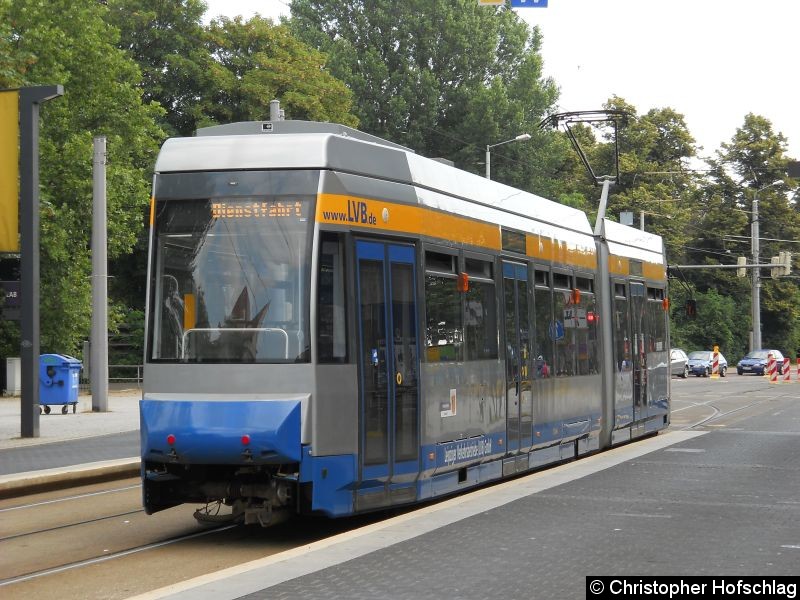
[(258, 145), (633, 243)]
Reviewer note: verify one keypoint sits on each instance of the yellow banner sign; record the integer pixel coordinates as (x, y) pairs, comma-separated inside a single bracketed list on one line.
[(9, 171), (491, 2)]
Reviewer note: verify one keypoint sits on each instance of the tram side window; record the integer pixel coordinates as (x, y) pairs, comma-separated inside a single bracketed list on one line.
[(480, 311), (587, 347), (656, 321), (638, 301), (332, 309), (444, 335), (544, 328), (622, 342), (564, 332)]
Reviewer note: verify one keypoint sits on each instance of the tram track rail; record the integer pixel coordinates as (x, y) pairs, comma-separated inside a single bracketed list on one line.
[(68, 525), (109, 557), (69, 498), (51, 545), (719, 412)]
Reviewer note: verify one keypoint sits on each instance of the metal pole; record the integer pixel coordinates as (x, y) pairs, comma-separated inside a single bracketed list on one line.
[(605, 299), (29, 100), (99, 338), (488, 159), (641, 221), (606, 339), (756, 291), (601, 210)]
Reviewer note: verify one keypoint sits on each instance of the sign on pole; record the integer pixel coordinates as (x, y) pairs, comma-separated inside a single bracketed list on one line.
[(30, 98), (528, 3), (9, 171), (10, 292)]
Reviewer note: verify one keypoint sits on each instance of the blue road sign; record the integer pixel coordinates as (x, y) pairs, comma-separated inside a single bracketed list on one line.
[(528, 3), (556, 330)]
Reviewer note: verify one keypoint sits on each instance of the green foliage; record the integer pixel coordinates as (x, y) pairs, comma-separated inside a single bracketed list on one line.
[(167, 40), (752, 164), (655, 149), (780, 314), (228, 71), (718, 322), (262, 62), (444, 77), (101, 98)]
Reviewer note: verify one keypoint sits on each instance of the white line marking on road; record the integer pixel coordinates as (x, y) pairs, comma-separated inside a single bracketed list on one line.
[(643, 516)]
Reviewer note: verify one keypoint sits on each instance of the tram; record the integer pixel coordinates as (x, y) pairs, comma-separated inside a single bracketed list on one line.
[(336, 325)]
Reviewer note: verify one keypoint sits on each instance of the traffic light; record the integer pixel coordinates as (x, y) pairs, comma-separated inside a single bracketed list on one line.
[(777, 268), (742, 262), (691, 308)]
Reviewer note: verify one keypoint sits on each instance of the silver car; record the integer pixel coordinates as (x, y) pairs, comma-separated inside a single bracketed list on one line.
[(679, 363)]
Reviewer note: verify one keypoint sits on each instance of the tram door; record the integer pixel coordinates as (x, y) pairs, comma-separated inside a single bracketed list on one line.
[(389, 367), (638, 316), (519, 401)]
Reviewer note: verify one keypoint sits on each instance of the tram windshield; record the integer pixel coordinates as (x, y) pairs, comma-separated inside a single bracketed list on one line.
[(231, 280)]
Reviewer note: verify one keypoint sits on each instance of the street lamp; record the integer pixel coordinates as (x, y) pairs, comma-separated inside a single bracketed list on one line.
[(520, 138), (756, 302), (652, 214)]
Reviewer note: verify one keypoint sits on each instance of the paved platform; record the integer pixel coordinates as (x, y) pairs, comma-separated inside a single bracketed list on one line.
[(71, 447)]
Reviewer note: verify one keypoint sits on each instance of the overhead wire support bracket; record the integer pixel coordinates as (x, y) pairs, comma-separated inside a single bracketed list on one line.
[(566, 119)]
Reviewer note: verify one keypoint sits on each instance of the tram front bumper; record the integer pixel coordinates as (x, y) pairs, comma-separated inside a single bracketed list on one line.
[(220, 432)]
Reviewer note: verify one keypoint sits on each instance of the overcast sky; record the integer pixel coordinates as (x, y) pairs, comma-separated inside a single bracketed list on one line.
[(713, 61)]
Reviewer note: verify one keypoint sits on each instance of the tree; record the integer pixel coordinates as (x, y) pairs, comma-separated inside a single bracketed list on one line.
[(443, 77), (262, 62), (101, 98), (754, 162), (655, 179), (168, 41), (227, 71), (716, 324)]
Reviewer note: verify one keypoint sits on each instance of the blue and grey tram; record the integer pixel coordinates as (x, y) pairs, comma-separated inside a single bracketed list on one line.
[(336, 324)]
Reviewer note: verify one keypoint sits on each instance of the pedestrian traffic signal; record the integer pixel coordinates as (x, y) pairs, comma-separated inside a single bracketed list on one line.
[(782, 264), (741, 271), (786, 262)]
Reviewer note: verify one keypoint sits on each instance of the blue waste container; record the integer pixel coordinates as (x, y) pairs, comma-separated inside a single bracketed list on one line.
[(58, 382)]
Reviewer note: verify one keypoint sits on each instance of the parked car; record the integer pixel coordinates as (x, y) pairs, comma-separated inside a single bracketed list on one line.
[(701, 362), (756, 362), (679, 363)]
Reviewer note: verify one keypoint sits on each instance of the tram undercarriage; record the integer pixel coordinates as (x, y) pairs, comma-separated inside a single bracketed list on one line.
[(256, 495)]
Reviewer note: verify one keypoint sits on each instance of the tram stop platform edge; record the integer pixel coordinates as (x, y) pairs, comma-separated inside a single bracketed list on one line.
[(72, 448)]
